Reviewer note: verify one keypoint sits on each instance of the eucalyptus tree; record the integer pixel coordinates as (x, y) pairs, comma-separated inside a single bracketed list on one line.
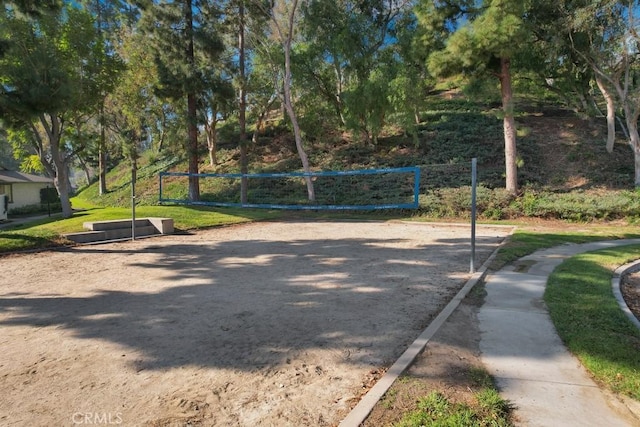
[(324, 58), (135, 102), (185, 44), (262, 89), (604, 34), (30, 8), (284, 17), (367, 100), (134, 111), (243, 26), (242, 97), (216, 104), (484, 44), (51, 72), (551, 64)]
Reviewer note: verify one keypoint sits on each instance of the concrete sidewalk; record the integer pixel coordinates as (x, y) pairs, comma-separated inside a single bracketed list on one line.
[(523, 352)]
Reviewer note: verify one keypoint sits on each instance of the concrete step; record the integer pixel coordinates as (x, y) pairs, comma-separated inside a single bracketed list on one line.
[(112, 234), (124, 233), (114, 224), (121, 229), (86, 236)]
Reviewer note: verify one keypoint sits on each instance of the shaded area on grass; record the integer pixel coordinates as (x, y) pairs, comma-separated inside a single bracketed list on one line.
[(21, 240), (526, 241), (47, 232)]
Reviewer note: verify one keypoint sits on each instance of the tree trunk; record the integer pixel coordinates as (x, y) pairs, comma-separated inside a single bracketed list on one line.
[(102, 145), (634, 141), (192, 149), (611, 113), (288, 105), (61, 178), (85, 169), (509, 126), (213, 157), (212, 142), (259, 124), (163, 125), (339, 89), (192, 114), (631, 116), (261, 119), (242, 113), (298, 137)]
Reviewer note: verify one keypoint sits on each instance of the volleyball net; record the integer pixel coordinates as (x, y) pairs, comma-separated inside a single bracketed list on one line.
[(368, 189)]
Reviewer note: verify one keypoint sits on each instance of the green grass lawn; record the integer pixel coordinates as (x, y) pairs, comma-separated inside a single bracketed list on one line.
[(46, 232), (589, 320), (524, 241), (435, 409)]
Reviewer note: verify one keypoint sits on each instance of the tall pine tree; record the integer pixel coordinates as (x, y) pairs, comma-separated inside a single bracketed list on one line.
[(185, 44), (484, 43)]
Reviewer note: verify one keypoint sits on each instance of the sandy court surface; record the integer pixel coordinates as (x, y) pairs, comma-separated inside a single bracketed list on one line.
[(266, 324)]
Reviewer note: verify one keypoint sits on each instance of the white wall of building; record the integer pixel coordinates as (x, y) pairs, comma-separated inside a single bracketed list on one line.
[(25, 194)]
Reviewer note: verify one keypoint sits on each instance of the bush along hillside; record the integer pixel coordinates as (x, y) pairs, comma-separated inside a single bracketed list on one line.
[(564, 170)]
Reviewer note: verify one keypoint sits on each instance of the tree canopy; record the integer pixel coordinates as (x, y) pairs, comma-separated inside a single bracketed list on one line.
[(85, 81), (51, 73)]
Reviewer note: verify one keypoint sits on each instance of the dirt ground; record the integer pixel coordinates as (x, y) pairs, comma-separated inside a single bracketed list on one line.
[(451, 362), (270, 324), (630, 288)]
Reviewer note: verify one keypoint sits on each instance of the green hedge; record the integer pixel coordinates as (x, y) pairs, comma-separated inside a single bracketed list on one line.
[(495, 204), (36, 209)]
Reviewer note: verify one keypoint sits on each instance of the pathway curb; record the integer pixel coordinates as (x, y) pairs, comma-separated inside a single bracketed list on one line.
[(523, 352), (362, 410), (616, 282)]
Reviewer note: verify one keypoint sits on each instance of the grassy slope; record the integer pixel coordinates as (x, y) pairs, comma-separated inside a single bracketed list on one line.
[(46, 232), (557, 150)]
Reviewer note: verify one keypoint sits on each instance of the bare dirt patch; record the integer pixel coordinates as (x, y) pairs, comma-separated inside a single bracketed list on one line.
[(630, 288), (261, 324), (450, 364)]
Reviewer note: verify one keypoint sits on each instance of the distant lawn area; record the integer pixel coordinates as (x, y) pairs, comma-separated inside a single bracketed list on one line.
[(46, 232)]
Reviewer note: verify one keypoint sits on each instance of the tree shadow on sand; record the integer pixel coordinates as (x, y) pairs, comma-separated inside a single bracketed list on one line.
[(253, 303)]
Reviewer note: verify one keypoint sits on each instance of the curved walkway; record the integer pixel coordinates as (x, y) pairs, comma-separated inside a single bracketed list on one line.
[(523, 352)]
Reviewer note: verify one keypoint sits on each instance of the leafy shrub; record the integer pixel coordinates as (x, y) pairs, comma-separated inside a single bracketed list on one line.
[(496, 204), (491, 204), (580, 205), (39, 208)]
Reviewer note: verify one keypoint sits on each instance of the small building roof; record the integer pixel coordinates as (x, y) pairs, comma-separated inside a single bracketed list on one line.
[(15, 177)]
